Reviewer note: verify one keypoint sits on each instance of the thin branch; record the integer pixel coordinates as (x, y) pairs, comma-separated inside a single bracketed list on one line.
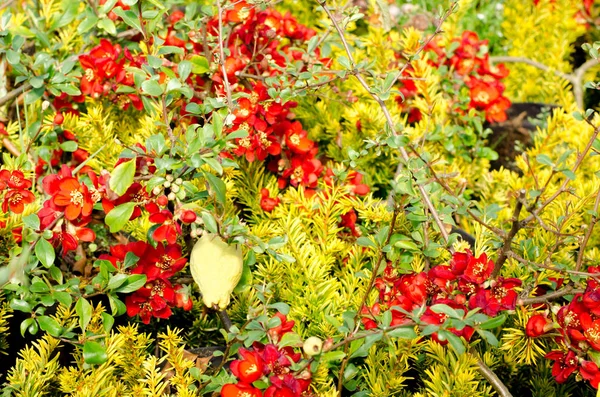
[(385, 110), (15, 93), (491, 377), (222, 57), (546, 298), (588, 232), (531, 62), (516, 225)]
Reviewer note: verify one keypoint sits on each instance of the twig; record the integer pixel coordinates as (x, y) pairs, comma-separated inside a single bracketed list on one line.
[(227, 324), (172, 136), (12, 149), (575, 78), (386, 111), (568, 290), (365, 296), (516, 225), (491, 377), (222, 58), (563, 187), (588, 232), (15, 93)]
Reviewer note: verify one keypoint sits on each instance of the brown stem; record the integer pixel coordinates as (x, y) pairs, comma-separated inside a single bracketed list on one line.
[(491, 377), (516, 225), (588, 232), (222, 58), (568, 290), (15, 93)]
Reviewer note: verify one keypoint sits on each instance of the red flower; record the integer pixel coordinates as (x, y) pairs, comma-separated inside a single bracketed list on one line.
[(589, 371), (119, 251), (182, 298), (267, 203), (349, 220), (479, 269), (14, 179), (163, 262), (501, 296), (152, 300), (538, 325), (296, 138), (591, 330), (285, 326), (414, 287), (483, 94), (240, 390), (564, 365), (250, 368), (496, 112), (168, 230), (74, 198), (15, 200)]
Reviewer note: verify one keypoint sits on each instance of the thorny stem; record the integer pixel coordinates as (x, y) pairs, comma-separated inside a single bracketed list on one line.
[(222, 57), (385, 110), (588, 232), (516, 225)]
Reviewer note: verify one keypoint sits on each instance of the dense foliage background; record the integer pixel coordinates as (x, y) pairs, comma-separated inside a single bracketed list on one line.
[(299, 198)]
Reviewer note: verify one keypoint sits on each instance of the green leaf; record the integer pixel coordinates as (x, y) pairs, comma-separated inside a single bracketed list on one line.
[(94, 353), (107, 322), (544, 159), (117, 307), (245, 280), (69, 146), (44, 251), (63, 297), (152, 88), (402, 332), (39, 287), (107, 25), (333, 356), (118, 216), (281, 307), (493, 322), (218, 186), (455, 342), (447, 310), (26, 324), (50, 325), (199, 64), (84, 310), (488, 337), (132, 283), (122, 177), (116, 281), (21, 305), (365, 242), (290, 339), (32, 221), (129, 17), (184, 68)]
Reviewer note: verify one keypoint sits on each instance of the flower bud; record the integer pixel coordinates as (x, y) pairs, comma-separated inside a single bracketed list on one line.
[(59, 118), (175, 188), (216, 268), (538, 325), (167, 184), (188, 216), (162, 200), (312, 346), (45, 105), (171, 196), (156, 191), (178, 181), (169, 178)]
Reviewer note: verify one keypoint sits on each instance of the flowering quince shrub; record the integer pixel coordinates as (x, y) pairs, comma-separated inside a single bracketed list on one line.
[(293, 199)]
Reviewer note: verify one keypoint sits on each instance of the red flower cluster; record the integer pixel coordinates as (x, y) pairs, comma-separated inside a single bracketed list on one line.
[(270, 362), (463, 284), (467, 56), (579, 323), (16, 195), (160, 264), (105, 69)]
